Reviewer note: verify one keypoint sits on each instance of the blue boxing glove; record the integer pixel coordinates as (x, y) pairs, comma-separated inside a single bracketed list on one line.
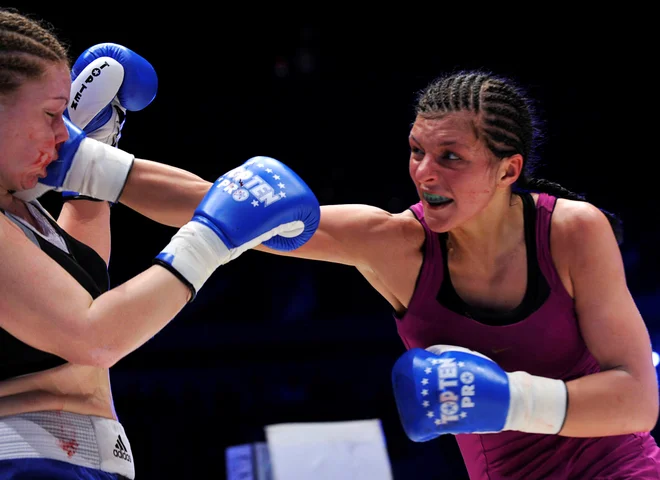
[(107, 80), (262, 201), (449, 389)]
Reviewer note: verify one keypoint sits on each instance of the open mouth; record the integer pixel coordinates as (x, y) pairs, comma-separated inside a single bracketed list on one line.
[(44, 159), (436, 200)]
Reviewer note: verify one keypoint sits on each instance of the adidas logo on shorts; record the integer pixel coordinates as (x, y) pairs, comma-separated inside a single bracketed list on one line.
[(120, 450)]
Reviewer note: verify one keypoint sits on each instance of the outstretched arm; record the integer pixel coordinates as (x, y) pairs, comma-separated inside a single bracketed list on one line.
[(353, 234), (347, 234), (165, 194)]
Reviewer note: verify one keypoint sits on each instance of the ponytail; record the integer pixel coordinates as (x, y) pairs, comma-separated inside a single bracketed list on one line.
[(541, 185)]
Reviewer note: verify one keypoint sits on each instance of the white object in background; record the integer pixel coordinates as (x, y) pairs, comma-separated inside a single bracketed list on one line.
[(350, 450)]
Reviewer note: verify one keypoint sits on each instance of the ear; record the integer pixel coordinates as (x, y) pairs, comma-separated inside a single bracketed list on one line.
[(510, 169)]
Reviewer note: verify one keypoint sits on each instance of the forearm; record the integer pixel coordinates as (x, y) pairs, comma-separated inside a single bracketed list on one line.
[(612, 402), (165, 194), (127, 316)]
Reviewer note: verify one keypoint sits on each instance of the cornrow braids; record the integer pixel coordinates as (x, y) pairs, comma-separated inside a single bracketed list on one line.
[(27, 46), (504, 114), (505, 119)]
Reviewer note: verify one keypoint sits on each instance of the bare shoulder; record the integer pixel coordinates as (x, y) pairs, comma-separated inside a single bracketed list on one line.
[(581, 239), (572, 219)]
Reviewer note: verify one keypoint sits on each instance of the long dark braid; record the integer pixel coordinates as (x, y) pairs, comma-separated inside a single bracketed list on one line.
[(507, 124), (27, 46)]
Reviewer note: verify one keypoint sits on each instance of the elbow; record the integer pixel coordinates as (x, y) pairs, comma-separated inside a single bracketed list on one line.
[(646, 411), (101, 356), (650, 418), (652, 422), (642, 419), (87, 348), (91, 355), (639, 404)]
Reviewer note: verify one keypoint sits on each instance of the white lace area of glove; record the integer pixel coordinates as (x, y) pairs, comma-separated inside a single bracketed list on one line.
[(538, 404), (98, 170), (198, 251), (110, 132), (441, 348)]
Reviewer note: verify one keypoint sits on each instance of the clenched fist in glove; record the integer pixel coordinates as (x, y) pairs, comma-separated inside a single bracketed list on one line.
[(261, 201), (449, 389)]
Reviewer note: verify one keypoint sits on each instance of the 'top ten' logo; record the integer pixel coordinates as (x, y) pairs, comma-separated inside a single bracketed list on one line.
[(241, 182), (77, 96), (456, 391)]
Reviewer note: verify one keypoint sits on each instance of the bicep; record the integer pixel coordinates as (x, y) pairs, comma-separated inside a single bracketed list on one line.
[(347, 234), (41, 304), (611, 325)]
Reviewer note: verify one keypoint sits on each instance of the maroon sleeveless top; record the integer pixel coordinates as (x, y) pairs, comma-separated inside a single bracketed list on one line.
[(541, 337)]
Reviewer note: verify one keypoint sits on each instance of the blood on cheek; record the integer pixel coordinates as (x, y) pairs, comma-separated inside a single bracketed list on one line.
[(45, 152), (43, 159)]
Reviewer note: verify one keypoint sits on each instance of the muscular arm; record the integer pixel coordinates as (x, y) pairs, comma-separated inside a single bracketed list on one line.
[(355, 235), (347, 234), (45, 307), (623, 397), (384, 247), (165, 194)]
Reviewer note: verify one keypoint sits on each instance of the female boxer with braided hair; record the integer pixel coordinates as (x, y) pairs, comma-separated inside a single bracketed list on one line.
[(61, 325), (496, 272)]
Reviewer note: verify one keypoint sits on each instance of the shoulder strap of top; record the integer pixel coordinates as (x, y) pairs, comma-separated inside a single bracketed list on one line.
[(28, 231), (431, 273), (545, 206)]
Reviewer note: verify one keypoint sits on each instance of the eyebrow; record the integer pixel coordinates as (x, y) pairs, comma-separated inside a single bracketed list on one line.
[(443, 144)]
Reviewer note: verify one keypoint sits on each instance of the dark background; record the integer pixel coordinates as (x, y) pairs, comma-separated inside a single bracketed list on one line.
[(272, 340)]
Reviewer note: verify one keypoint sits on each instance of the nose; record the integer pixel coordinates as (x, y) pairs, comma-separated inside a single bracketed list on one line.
[(426, 170), (60, 130)]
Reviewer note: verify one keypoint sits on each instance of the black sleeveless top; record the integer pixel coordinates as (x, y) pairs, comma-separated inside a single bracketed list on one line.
[(85, 265)]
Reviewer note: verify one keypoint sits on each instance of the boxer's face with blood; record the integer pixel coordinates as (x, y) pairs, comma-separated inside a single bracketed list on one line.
[(32, 126)]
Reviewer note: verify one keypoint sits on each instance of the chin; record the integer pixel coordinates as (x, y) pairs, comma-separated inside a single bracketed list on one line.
[(438, 223), (438, 227), (30, 183)]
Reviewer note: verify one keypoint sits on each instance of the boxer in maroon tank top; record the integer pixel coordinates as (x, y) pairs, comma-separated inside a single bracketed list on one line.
[(509, 292), (542, 337)]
